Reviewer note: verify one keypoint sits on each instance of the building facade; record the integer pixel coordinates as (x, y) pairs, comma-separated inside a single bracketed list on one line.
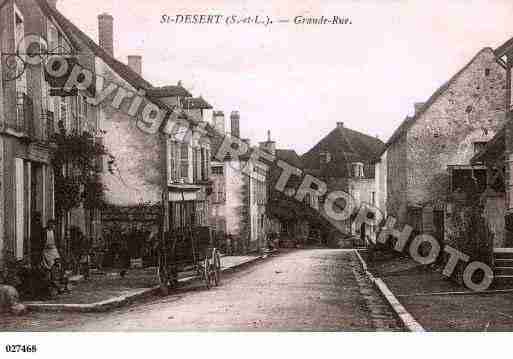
[(240, 195), (421, 159), (344, 160), (30, 111), (156, 174)]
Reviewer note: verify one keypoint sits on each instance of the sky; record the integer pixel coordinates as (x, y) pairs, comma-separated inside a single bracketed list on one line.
[(298, 81)]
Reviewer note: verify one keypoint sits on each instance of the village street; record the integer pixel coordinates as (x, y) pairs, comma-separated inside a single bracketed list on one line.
[(298, 290)]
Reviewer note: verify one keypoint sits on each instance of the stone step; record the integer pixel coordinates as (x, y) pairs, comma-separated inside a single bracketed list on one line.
[(503, 253), (503, 262), (498, 271), (502, 280)]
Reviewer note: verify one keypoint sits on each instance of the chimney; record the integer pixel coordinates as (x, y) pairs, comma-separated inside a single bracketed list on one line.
[(135, 63), (218, 122), (106, 32), (340, 124), (52, 3), (418, 107), (269, 145), (235, 124)]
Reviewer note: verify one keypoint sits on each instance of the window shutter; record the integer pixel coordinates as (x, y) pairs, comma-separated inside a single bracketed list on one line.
[(199, 164), (101, 159), (170, 163), (184, 161)]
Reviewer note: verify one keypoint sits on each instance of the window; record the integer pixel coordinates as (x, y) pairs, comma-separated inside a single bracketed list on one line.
[(184, 161), (172, 163), (357, 169), (196, 163), (205, 163), (373, 198), (487, 72), (53, 38), (218, 170), (325, 157), (81, 113), (19, 34), (219, 192), (63, 112), (479, 145)]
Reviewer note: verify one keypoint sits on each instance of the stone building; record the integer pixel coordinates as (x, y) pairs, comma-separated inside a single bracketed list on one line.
[(292, 221), (495, 160), (423, 156), (31, 106), (161, 169), (344, 160), (240, 194)]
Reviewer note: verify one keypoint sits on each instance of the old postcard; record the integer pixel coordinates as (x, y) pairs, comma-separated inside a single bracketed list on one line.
[(239, 166)]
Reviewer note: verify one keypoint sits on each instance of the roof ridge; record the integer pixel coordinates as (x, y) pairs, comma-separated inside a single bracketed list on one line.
[(434, 96), (97, 49)]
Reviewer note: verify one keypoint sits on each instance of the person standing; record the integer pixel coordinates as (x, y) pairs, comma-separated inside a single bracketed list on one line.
[(50, 251)]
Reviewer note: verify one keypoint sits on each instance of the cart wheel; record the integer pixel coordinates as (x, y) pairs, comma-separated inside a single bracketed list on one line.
[(206, 272), (216, 267)]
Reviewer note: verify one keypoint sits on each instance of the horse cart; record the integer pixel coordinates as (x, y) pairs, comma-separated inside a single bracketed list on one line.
[(191, 250)]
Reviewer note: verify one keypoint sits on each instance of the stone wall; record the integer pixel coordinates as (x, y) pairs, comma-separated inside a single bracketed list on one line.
[(470, 109), (396, 180), (139, 172)]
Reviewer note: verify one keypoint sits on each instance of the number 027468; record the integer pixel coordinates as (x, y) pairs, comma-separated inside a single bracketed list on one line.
[(17, 348)]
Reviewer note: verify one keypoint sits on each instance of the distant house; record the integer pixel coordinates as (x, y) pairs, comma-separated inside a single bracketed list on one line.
[(427, 158), (240, 193), (344, 159), (291, 220)]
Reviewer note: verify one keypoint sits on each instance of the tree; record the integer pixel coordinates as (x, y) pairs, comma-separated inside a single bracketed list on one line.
[(75, 163)]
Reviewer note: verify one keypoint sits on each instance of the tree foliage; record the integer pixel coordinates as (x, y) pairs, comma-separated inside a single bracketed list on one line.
[(77, 170)]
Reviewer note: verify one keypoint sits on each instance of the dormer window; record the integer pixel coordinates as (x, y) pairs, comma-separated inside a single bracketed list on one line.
[(357, 170), (325, 157), (479, 145)]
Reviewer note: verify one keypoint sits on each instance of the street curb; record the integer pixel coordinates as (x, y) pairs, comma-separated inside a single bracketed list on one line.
[(406, 318), (121, 301)]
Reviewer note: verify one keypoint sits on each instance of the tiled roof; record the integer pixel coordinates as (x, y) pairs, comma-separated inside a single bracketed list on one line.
[(289, 156), (504, 48), (345, 146), (402, 129), (123, 70), (169, 91), (195, 103), (408, 122)]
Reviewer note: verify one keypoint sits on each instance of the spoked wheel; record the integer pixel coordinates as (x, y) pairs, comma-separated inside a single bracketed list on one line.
[(216, 267), (206, 273)]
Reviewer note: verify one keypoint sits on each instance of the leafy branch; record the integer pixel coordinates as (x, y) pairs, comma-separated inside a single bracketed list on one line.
[(77, 171)]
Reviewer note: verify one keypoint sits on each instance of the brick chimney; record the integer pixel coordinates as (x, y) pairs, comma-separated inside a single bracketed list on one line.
[(418, 106), (106, 32), (135, 63), (269, 145), (52, 3), (219, 122), (235, 124), (340, 124)]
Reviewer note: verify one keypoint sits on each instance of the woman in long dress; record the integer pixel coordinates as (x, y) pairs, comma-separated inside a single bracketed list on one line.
[(50, 251)]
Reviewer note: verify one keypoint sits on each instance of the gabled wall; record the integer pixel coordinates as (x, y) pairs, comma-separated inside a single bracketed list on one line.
[(471, 109)]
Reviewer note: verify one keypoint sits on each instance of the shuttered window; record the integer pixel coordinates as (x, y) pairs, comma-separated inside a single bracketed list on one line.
[(184, 161)]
